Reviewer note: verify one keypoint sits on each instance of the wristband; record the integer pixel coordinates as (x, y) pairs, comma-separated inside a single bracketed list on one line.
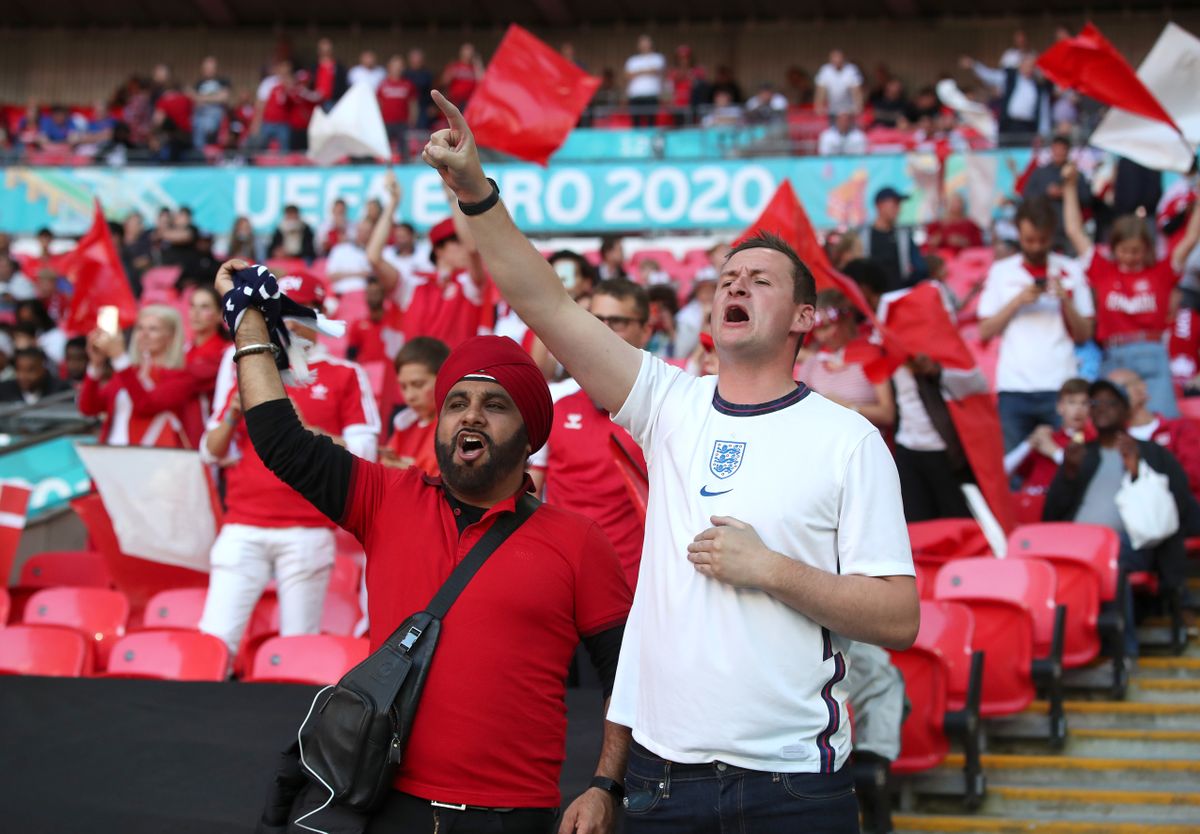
[(473, 209), (610, 786), (249, 350)]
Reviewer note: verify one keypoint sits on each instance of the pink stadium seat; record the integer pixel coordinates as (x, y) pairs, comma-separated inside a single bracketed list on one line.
[(923, 742), (178, 608), (346, 573), (169, 655), (999, 593), (99, 614), (42, 650), (948, 630), (79, 568), (1189, 407), (1090, 544), (161, 277), (309, 659)]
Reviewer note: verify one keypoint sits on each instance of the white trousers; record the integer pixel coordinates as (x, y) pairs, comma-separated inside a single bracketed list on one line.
[(244, 559)]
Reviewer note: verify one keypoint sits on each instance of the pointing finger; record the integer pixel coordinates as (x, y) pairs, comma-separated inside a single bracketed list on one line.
[(453, 115)]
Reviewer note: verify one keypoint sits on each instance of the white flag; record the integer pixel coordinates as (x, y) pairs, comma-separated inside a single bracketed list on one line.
[(1172, 72), (158, 500), (354, 127), (978, 116)]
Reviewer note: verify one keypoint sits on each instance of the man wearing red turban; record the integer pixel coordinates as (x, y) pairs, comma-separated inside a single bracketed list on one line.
[(494, 695)]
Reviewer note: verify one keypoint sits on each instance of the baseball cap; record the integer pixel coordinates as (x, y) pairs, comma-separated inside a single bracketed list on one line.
[(304, 288), (442, 232), (1110, 386), (889, 193)]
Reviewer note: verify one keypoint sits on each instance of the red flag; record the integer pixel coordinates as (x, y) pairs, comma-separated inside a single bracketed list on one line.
[(919, 318), (785, 217), (95, 269), (1093, 66), (529, 100), (14, 503)]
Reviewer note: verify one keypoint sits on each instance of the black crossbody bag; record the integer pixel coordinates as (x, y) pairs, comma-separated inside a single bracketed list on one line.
[(353, 738)]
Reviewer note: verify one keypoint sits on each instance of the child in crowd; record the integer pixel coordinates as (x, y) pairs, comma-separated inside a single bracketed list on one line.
[(1036, 459), (414, 428)]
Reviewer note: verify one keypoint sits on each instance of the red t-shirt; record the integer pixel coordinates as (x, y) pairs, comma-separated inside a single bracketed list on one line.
[(177, 107), (582, 476), (395, 96), (1128, 302), (158, 408), (495, 693), (1037, 471), (277, 108), (326, 75), (333, 402), (303, 103), (410, 439), (460, 81), (204, 361), (956, 235), (366, 337), (452, 312)]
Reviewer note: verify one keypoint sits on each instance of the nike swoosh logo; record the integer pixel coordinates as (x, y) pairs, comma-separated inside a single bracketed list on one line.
[(704, 491)]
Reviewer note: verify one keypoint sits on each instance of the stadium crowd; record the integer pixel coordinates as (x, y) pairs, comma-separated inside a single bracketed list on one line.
[(166, 116)]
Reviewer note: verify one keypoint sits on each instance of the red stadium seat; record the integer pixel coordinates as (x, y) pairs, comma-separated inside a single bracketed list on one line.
[(1028, 507), (1012, 601), (948, 538), (340, 614), (42, 650), (1094, 545), (79, 568), (344, 579), (1189, 407), (948, 630), (923, 742), (99, 614), (5, 605), (169, 655), (178, 608), (161, 277), (308, 659)]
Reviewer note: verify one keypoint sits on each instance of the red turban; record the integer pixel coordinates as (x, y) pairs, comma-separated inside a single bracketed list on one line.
[(501, 359)]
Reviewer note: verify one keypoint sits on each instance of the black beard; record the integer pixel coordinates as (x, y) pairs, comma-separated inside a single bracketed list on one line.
[(501, 459)]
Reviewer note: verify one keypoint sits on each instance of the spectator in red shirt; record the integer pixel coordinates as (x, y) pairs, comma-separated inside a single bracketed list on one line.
[(1035, 461), (328, 74), (461, 77), (335, 228), (413, 429), (1133, 293), (1180, 437), (151, 398), (365, 338), (274, 116), (955, 231), (577, 466), (270, 531), (397, 104), (687, 84), (173, 118), (304, 100), (495, 696), (202, 355)]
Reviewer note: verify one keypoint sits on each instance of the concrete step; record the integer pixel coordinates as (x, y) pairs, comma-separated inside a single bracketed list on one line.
[(1093, 804), (1187, 668), (1109, 773), (1118, 743), (938, 824), (1158, 690), (1130, 715)]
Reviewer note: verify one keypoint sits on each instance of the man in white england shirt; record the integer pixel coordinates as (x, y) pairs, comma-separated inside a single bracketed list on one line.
[(644, 81), (839, 86), (775, 534)]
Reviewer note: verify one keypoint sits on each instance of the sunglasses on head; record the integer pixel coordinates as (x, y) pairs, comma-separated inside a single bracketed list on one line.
[(829, 315)]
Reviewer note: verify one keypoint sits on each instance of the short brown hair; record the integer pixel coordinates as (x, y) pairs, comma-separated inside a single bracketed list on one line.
[(623, 289), (1128, 227), (804, 286), (423, 350), (1040, 213), (1073, 386)]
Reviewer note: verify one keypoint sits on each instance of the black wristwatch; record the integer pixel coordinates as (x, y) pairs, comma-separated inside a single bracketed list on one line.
[(610, 786), (473, 209)]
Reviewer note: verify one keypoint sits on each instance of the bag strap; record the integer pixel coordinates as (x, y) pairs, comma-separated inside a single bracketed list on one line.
[(495, 536)]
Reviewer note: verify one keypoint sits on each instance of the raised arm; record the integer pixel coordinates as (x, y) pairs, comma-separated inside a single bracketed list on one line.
[(462, 230), (605, 365), (386, 274), (1191, 236), (1073, 212)]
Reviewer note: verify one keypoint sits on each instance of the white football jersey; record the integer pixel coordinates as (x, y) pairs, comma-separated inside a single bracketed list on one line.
[(709, 672)]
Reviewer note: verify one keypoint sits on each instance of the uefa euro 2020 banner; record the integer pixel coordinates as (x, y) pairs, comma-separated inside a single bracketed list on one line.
[(563, 198)]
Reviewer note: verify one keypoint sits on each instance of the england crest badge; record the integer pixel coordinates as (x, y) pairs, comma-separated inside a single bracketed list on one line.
[(726, 458)]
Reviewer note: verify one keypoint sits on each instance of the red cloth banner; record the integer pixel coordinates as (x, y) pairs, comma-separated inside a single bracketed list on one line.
[(95, 270), (529, 100)]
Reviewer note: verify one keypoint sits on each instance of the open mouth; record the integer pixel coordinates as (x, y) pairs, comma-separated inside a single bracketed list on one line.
[(735, 314), (471, 445)]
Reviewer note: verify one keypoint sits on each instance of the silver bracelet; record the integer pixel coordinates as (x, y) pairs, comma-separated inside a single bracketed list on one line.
[(248, 350)]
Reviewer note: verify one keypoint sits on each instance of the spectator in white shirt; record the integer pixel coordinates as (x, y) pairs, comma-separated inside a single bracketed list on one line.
[(725, 111), (644, 82), (1040, 306), (347, 266), (839, 86), (842, 138), (368, 70), (1024, 95), (767, 105)]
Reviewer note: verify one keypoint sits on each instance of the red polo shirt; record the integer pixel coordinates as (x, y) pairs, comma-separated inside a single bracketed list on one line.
[(492, 725), (451, 311), (582, 476), (395, 97), (1130, 302)]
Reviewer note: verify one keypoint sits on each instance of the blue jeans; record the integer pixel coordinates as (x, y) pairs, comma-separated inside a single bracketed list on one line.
[(665, 797), (1023, 411), (206, 121), (280, 132), (1132, 561), (1148, 360)]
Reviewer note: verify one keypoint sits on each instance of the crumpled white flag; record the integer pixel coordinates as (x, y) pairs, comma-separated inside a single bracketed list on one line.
[(354, 127)]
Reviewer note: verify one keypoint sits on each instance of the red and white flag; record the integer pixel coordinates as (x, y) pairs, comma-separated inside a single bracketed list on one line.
[(14, 505), (96, 271)]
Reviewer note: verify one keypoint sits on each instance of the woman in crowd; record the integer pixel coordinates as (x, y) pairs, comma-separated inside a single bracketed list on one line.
[(151, 398), (241, 241), (202, 355), (1133, 293), (834, 367)]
